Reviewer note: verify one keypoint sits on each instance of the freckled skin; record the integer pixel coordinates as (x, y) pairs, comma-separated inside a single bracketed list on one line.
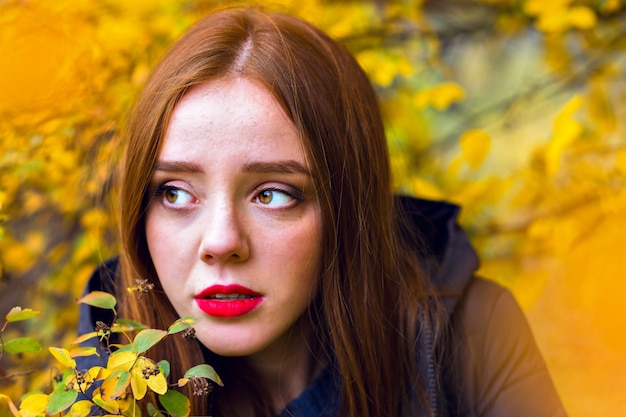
[(211, 228)]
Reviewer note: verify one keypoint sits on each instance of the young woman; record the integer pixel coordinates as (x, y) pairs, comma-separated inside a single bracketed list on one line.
[(256, 196)]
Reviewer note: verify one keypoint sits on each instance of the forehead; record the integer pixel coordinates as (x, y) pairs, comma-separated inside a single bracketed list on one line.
[(230, 114), (240, 99)]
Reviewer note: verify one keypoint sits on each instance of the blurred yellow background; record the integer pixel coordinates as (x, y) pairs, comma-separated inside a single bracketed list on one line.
[(513, 109)]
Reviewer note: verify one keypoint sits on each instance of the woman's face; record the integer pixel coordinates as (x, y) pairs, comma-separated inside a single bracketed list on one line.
[(233, 225)]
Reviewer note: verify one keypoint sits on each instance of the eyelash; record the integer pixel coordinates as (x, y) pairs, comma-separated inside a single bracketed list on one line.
[(295, 194), (161, 189)]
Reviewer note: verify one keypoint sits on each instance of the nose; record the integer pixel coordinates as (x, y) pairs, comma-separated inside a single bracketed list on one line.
[(223, 236)]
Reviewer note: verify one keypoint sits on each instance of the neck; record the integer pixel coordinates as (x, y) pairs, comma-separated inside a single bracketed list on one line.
[(287, 368)]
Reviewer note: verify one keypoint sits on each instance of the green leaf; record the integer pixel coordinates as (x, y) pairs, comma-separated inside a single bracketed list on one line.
[(125, 348), (22, 345), (147, 338), (115, 384), (60, 399), (17, 314), (153, 411), (164, 366), (99, 299), (204, 371), (126, 325), (182, 324), (61, 379), (175, 403)]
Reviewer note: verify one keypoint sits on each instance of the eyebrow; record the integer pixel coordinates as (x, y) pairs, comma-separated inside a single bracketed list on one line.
[(259, 167), (278, 167), (177, 166)]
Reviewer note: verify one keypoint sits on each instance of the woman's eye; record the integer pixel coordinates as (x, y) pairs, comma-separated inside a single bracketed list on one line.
[(174, 196), (271, 197)]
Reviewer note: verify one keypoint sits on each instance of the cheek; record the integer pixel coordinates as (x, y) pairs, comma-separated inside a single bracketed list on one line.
[(306, 255), (293, 257), (163, 245), (154, 239)]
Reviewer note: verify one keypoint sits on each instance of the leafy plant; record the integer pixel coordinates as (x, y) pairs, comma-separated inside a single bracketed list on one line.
[(125, 373)]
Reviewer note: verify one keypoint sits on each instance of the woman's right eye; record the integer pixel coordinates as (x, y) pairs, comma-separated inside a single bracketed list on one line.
[(173, 196)]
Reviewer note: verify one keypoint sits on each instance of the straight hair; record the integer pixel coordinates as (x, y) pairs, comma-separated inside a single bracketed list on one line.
[(372, 292)]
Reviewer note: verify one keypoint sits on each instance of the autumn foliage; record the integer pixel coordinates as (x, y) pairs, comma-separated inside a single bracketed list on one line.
[(514, 109)]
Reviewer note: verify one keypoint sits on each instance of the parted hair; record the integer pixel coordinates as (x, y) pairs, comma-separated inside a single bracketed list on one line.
[(372, 291)]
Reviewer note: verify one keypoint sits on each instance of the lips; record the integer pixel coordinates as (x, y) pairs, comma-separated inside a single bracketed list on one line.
[(228, 300)]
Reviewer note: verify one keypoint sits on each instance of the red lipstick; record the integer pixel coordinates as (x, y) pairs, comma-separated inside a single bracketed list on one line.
[(228, 300)]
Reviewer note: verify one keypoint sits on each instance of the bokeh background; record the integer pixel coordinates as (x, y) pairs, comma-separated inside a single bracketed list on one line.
[(514, 109)]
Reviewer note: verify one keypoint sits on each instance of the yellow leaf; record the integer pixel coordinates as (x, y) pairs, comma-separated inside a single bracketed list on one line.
[(454, 167), (34, 405), (63, 356), (538, 7), (98, 372), (121, 360), (405, 67), (19, 314), (620, 160), (158, 383), (610, 6), (12, 406), (115, 385), (130, 408), (99, 299), (440, 96), (83, 351), (110, 406), (541, 229), (378, 67), (581, 17), (475, 145), (80, 409), (138, 383), (566, 130), (568, 111), (426, 189), (80, 339), (445, 94), (599, 105), (17, 257), (553, 22)]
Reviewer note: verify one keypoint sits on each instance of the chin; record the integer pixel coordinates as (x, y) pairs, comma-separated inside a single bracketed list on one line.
[(222, 345)]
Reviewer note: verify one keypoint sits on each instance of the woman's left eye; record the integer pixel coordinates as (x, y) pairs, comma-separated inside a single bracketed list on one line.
[(274, 197)]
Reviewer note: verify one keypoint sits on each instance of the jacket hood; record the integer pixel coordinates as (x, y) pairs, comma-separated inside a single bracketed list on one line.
[(450, 259)]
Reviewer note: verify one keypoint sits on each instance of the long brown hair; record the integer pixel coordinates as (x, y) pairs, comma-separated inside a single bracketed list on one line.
[(371, 290)]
